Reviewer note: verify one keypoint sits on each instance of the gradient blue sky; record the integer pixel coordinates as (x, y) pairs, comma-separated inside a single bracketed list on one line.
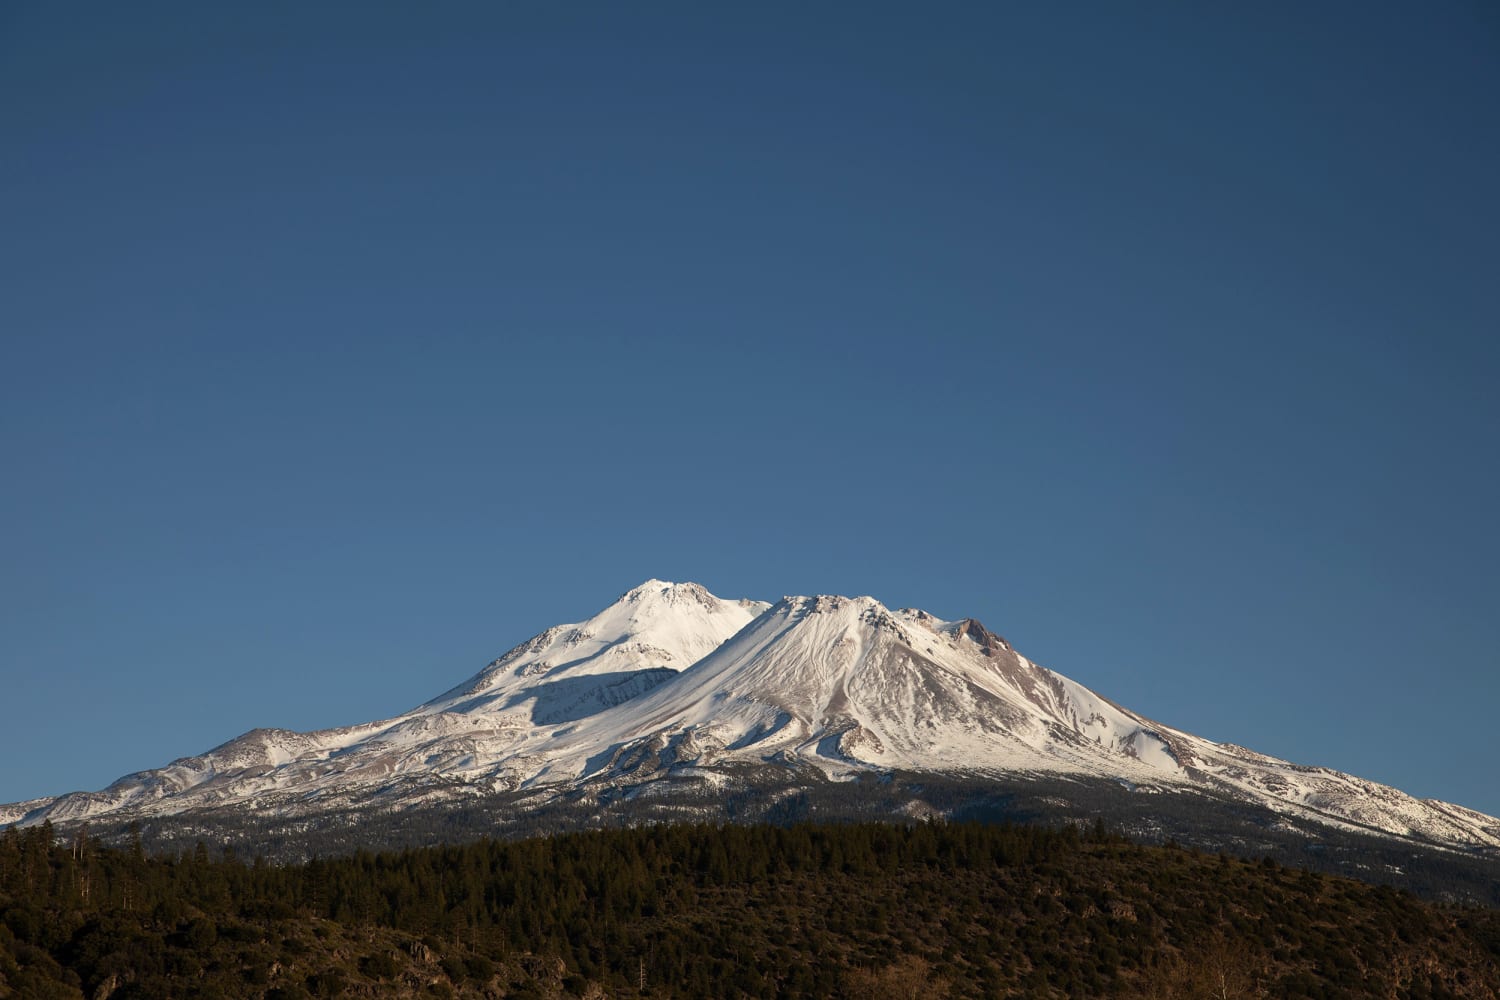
[(345, 348)]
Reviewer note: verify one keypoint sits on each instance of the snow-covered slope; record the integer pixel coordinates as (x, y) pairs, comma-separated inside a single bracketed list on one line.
[(568, 671), (846, 685), (672, 684)]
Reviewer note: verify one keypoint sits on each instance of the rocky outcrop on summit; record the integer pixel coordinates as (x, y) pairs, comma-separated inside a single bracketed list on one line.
[(989, 643)]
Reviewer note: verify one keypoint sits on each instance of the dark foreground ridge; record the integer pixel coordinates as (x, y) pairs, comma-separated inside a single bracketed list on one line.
[(858, 910)]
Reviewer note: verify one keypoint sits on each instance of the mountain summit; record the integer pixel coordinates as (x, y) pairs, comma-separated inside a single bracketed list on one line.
[(649, 634), (673, 695)]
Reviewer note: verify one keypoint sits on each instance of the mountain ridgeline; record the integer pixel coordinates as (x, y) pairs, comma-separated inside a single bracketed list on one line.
[(675, 705)]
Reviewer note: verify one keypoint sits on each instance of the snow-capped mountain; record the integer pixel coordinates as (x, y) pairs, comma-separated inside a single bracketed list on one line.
[(672, 688)]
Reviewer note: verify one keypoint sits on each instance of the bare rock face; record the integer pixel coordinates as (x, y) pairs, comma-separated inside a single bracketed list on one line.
[(989, 643), (858, 743)]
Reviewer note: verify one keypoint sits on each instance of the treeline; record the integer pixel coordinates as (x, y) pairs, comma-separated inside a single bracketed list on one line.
[(962, 910), (764, 795)]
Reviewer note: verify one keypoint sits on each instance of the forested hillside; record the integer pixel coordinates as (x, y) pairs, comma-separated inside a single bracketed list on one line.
[(929, 910)]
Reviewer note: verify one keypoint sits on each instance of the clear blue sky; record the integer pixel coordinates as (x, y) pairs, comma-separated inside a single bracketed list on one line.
[(344, 349)]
